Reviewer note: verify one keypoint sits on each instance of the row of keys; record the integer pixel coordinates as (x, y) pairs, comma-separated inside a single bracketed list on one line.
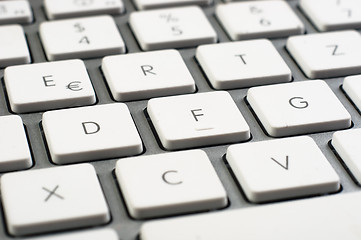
[(188, 121), (139, 76), (99, 36), (266, 171), (130, 77), (19, 11), (322, 55), (325, 15)]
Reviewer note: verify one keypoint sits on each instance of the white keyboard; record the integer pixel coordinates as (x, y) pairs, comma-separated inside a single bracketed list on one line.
[(180, 119)]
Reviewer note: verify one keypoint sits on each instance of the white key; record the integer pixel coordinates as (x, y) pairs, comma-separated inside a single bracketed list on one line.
[(150, 4), (281, 169), (18, 11), (331, 217), (298, 108), (45, 86), (144, 75), (258, 19), (181, 182), (347, 145), (14, 148), (91, 133), (172, 28), (105, 234), (238, 64), (325, 55), (330, 15), (13, 46), (53, 199), (81, 38), (352, 87), (197, 120), (77, 8)]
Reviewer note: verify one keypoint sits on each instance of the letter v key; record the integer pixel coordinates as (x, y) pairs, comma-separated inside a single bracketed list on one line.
[(282, 165)]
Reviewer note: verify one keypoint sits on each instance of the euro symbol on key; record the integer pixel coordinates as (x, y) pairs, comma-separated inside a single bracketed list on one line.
[(74, 86)]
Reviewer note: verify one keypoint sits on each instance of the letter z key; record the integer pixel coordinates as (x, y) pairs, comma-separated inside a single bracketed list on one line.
[(325, 55)]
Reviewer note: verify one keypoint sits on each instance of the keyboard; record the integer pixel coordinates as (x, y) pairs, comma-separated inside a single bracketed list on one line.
[(180, 119)]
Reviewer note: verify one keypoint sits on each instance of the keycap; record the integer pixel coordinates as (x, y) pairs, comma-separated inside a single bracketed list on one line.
[(298, 108), (326, 55), (53, 199), (238, 64), (45, 86), (77, 8), (329, 15), (87, 37), (15, 11), (13, 46), (106, 234), (331, 217), (169, 183), (152, 4), (172, 28), (258, 19), (91, 133), (14, 149), (346, 144), (281, 169), (352, 87), (145, 75), (201, 119)]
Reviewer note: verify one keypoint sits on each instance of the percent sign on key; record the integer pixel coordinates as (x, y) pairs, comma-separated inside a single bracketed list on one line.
[(168, 17)]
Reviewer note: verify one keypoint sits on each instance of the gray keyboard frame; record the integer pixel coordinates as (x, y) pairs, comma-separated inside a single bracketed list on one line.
[(126, 227)]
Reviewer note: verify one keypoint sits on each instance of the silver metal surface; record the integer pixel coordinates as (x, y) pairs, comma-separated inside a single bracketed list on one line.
[(126, 227)]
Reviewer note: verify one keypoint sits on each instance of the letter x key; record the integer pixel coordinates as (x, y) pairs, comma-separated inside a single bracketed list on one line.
[(51, 193)]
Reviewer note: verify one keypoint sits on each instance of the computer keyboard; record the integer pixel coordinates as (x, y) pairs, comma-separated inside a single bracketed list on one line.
[(180, 119)]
